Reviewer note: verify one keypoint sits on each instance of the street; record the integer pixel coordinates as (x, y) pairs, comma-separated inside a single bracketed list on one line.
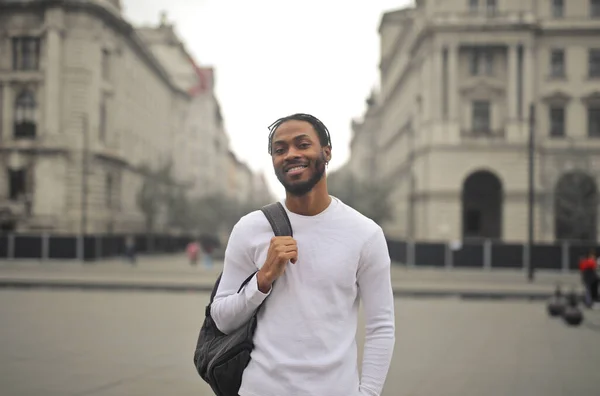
[(75, 343)]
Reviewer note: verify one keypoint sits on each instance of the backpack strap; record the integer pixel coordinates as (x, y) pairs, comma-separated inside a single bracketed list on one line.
[(278, 218)]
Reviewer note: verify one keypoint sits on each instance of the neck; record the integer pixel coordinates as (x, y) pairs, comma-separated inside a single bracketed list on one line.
[(311, 203)]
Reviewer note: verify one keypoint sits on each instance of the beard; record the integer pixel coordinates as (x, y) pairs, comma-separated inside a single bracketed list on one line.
[(301, 188)]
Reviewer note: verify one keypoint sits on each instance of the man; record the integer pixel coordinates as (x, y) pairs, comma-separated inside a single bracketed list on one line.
[(305, 338)]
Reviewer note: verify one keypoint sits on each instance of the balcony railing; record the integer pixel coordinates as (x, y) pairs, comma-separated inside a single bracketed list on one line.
[(482, 17), (25, 130), (483, 133)]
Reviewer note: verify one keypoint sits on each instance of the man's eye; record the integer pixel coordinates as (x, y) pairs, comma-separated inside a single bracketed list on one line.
[(279, 151), (304, 145)]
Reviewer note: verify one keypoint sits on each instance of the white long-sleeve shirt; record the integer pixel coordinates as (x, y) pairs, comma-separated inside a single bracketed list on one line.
[(305, 338)]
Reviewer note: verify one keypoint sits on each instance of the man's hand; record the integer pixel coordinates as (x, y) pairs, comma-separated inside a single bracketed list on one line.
[(281, 250)]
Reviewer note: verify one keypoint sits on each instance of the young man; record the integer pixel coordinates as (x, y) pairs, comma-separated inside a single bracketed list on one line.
[(305, 337)]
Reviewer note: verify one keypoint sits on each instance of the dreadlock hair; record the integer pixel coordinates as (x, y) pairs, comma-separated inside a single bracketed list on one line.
[(320, 128)]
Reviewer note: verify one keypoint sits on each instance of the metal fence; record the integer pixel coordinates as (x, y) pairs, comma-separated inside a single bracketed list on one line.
[(88, 247), (487, 254)]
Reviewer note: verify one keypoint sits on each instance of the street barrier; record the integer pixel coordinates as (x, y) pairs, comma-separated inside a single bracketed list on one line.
[(488, 254), (88, 247), (484, 254)]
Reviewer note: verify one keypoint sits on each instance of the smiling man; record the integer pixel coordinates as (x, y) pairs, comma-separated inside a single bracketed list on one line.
[(305, 339)]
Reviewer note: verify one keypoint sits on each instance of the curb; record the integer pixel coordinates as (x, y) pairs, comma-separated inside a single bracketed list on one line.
[(207, 288)]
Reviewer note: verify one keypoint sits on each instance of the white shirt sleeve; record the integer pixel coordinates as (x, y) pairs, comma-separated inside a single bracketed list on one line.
[(229, 308), (375, 289)]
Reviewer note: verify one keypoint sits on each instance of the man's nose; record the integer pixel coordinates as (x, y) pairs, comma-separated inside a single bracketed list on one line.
[(292, 154)]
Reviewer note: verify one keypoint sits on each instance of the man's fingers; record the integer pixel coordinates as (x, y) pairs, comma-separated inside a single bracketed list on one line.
[(292, 257)]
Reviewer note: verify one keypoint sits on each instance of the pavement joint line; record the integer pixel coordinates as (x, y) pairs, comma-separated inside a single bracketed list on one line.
[(440, 292)]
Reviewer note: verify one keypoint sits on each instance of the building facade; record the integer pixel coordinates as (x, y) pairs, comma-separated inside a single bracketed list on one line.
[(86, 105), (363, 162), (458, 80), (202, 144)]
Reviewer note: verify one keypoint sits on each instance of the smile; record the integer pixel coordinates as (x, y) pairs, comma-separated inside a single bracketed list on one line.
[(296, 170)]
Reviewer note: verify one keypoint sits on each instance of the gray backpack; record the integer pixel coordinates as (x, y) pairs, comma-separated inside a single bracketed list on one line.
[(219, 358)]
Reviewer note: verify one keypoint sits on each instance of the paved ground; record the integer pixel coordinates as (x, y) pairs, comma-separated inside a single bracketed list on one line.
[(173, 273), (76, 343)]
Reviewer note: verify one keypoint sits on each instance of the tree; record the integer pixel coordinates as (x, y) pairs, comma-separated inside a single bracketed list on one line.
[(370, 197), (155, 190)]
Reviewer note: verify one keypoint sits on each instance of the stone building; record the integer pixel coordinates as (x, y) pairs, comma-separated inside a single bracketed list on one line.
[(458, 78), (201, 148), (363, 161), (86, 102)]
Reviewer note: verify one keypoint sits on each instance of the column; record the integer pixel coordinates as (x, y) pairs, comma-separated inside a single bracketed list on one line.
[(453, 75), (511, 92), (2, 130), (7, 111), (529, 76), (436, 84), (52, 77)]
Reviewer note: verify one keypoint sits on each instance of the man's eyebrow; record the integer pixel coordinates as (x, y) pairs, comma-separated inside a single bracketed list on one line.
[(296, 138)]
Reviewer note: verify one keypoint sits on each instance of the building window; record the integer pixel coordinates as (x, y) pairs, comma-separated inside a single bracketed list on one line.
[(558, 8), (474, 63), (557, 63), (594, 121), (473, 5), (557, 121), (25, 125), (1, 111), (482, 62), (481, 116), (491, 7), (595, 8), (103, 126), (109, 191), (488, 62), (594, 63), (26, 53), (106, 65), (17, 184)]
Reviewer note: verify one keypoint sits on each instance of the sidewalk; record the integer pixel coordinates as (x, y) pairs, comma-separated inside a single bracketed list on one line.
[(172, 273)]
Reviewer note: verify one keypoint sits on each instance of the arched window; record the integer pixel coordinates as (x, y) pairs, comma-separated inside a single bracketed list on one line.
[(25, 109)]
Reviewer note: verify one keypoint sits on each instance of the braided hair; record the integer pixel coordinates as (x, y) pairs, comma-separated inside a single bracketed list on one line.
[(319, 127)]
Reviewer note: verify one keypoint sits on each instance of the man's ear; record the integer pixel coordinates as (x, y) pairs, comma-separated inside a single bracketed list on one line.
[(327, 151)]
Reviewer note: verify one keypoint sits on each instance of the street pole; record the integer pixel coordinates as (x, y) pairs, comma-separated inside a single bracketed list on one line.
[(84, 172), (531, 203)]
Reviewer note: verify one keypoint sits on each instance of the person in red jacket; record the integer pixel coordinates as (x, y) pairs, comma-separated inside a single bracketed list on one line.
[(589, 276)]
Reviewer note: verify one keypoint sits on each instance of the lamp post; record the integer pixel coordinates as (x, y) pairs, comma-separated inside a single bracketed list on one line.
[(531, 193), (84, 172)]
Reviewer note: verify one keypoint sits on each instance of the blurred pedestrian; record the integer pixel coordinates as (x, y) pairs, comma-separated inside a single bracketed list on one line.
[(130, 252), (192, 251), (588, 268), (208, 243)]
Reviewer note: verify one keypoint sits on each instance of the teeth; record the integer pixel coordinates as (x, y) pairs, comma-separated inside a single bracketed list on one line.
[(296, 167)]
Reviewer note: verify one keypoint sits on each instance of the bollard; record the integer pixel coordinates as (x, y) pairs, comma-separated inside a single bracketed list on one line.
[(572, 315), (556, 304)]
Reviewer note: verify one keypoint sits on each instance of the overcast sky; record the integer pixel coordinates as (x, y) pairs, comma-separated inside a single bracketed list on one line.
[(278, 57)]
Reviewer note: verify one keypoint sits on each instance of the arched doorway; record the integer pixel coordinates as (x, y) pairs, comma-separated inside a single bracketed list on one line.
[(482, 206), (575, 207)]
